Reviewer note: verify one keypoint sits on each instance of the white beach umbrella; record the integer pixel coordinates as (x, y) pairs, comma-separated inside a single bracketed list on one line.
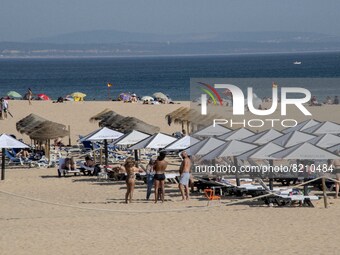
[(334, 148), (229, 149), (326, 140), (205, 146), (238, 134), (8, 142), (147, 98), (156, 141), (326, 127), (263, 137), (262, 152), (131, 138), (304, 151), (160, 95), (182, 143), (104, 134), (301, 126), (293, 138), (212, 131)]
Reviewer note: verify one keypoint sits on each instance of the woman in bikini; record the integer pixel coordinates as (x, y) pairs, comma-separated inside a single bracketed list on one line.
[(131, 169), (159, 177)]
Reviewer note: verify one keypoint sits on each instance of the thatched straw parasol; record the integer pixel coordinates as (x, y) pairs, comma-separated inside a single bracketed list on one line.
[(48, 131), (102, 115), (28, 122)]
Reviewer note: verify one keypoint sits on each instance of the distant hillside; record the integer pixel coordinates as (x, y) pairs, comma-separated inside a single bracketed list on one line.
[(113, 36)]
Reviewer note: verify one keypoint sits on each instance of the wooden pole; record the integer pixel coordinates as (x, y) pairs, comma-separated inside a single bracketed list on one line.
[(3, 164), (69, 135), (106, 154), (324, 191), (271, 163), (101, 156), (238, 183)]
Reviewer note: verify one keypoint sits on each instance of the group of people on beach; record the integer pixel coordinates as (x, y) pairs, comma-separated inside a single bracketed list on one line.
[(155, 172)]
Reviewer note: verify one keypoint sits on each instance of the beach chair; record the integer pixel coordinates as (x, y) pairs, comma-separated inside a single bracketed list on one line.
[(286, 197), (12, 159), (210, 195), (64, 172)]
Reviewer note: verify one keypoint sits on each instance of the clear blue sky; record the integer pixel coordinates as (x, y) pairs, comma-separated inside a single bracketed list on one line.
[(25, 19)]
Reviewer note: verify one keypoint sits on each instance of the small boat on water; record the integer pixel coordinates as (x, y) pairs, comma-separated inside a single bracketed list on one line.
[(297, 63)]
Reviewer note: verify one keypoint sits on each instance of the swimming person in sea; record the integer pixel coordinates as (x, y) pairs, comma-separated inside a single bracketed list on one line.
[(159, 177), (184, 172)]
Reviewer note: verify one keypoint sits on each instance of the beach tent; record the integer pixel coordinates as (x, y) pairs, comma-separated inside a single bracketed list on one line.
[(8, 142), (124, 97), (156, 141), (182, 143), (229, 149), (326, 140), (160, 95), (301, 126), (131, 138), (205, 146), (262, 152), (326, 127), (147, 98), (43, 97), (104, 134), (14, 94), (78, 96), (293, 138), (212, 130), (263, 137), (304, 151), (238, 134)]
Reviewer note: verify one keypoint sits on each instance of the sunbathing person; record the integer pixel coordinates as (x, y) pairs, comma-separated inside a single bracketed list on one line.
[(159, 177), (23, 153), (131, 169), (69, 164)]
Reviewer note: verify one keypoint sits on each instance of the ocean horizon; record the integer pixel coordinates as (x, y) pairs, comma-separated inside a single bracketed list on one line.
[(146, 75)]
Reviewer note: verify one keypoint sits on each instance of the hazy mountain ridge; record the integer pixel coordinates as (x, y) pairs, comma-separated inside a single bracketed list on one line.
[(139, 44)]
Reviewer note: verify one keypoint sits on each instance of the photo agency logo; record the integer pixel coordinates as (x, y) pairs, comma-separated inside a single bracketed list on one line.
[(241, 104)]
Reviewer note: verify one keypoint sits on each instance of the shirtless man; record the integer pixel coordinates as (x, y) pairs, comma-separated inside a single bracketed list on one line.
[(184, 172), (336, 165), (159, 167)]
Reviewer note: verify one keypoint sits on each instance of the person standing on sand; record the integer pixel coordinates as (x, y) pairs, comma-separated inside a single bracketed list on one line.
[(159, 178), (336, 165), (4, 108), (184, 172), (29, 96), (131, 169)]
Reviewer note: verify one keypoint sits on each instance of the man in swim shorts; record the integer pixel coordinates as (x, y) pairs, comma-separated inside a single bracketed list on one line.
[(184, 172)]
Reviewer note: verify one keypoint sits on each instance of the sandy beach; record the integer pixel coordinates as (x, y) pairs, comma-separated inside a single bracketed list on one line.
[(41, 213)]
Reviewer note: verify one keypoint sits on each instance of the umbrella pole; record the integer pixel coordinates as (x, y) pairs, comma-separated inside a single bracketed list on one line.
[(69, 135), (106, 154), (3, 164), (237, 174), (136, 157), (271, 163)]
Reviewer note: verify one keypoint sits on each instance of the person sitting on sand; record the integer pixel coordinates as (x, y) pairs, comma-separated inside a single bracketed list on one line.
[(336, 100), (184, 172), (131, 169), (69, 164), (159, 177), (314, 101)]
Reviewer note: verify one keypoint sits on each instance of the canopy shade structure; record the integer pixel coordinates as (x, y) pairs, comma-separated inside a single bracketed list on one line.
[(262, 152), (7, 142), (334, 149), (230, 149), (326, 127), (304, 151), (293, 138), (182, 143), (156, 141), (238, 134), (205, 146), (326, 140), (160, 95), (104, 134), (263, 137), (131, 138), (301, 126), (147, 98), (14, 94), (212, 130)]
